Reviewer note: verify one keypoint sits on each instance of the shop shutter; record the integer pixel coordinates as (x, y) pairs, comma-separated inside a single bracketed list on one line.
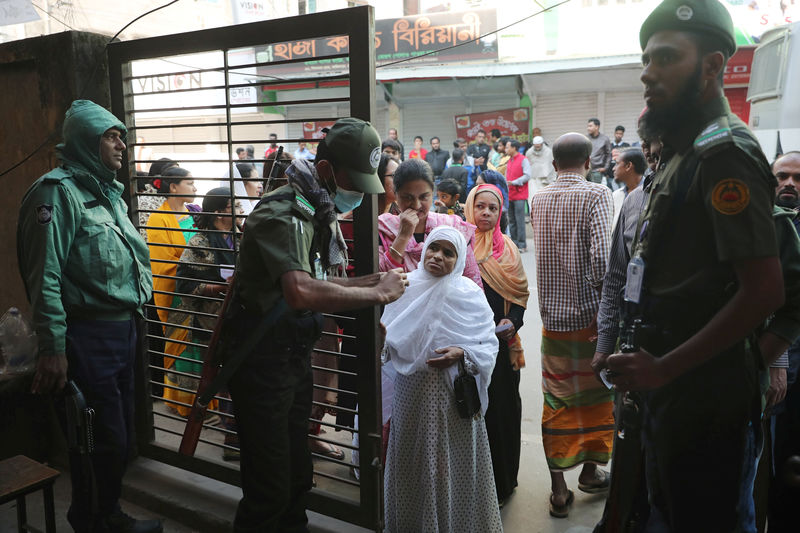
[(623, 108), (429, 118), (557, 114)]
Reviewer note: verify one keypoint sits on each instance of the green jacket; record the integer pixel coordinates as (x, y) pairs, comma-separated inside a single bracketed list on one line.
[(79, 254)]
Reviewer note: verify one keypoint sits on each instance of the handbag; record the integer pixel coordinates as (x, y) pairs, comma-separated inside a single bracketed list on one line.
[(468, 402)]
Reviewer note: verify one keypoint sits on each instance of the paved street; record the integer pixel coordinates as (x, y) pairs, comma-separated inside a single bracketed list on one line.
[(527, 511)]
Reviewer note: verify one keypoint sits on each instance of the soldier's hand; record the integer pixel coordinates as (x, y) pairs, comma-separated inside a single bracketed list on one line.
[(408, 222), (636, 371), (51, 374), (393, 284), (599, 363), (777, 387)]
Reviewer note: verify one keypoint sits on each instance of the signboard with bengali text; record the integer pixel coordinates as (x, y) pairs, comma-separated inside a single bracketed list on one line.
[(514, 123), (313, 130), (395, 39)]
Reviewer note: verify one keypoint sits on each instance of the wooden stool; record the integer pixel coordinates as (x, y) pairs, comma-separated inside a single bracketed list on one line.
[(20, 476)]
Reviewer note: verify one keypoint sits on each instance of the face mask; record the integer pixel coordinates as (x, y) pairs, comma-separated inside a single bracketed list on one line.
[(347, 200)]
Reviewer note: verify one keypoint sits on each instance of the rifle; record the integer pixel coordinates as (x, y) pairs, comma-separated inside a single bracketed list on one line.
[(211, 367), (80, 439), (626, 509)]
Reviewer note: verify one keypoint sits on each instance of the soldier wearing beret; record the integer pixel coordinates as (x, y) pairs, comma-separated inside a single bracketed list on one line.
[(704, 276)]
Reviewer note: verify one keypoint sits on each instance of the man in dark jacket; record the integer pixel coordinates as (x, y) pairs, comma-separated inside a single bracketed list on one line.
[(457, 172), (437, 158)]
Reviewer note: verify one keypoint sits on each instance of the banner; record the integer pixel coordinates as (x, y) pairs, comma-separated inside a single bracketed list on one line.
[(514, 123), (395, 39), (739, 67), (16, 12), (313, 130)]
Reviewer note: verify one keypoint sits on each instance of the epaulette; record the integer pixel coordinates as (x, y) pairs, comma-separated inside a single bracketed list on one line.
[(714, 137), (55, 176), (304, 206)]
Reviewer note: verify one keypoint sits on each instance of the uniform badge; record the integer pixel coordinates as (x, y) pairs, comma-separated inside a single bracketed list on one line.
[(375, 158), (684, 13), (730, 197), (44, 214)]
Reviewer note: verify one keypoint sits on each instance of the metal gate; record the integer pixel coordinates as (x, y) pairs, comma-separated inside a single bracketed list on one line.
[(194, 98)]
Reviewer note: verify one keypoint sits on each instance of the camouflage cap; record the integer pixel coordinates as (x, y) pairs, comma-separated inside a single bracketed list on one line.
[(356, 146), (708, 17)]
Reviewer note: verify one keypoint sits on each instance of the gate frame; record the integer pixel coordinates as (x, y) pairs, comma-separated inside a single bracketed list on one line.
[(358, 24)]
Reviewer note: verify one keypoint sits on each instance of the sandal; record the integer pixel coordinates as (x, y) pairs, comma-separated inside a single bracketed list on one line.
[(327, 450), (601, 484), (561, 511)]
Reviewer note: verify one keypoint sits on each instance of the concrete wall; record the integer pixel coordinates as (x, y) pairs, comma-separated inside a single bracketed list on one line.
[(39, 78)]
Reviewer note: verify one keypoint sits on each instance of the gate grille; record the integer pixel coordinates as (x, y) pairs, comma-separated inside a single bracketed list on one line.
[(195, 98)]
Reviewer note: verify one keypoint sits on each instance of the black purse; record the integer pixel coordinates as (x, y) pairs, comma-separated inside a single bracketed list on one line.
[(468, 402)]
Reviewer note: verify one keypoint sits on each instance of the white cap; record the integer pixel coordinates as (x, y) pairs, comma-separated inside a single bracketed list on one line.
[(538, 140)]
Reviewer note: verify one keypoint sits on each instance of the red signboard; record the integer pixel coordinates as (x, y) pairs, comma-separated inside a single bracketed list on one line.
[(737, 71), (313, 130), (737, 98), (514, 123)]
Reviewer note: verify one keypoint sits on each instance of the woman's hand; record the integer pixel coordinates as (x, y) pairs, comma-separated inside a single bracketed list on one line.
[(408, 222), (449, 356), (508, 334)]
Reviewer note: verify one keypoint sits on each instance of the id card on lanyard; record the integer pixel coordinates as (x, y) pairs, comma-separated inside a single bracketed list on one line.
[(635, 277)]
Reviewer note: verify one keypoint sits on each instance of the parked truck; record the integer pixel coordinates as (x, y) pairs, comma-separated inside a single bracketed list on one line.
[(774, 91)]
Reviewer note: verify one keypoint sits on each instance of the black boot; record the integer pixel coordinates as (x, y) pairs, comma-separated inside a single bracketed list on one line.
[(120, 522)]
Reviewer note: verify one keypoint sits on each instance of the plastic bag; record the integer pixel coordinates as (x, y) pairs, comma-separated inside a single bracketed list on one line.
[(18, 346)]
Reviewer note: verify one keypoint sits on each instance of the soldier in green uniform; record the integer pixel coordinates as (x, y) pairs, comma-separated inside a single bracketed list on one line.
[(87, 275), (704, 275), (291, 243)]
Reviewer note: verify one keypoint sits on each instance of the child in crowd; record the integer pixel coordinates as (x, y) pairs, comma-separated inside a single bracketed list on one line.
[(448, 193)]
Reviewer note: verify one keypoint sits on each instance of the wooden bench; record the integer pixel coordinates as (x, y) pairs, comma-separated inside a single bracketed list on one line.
[(20, 476)]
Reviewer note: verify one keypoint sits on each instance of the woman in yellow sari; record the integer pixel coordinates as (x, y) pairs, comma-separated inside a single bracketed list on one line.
[(506, 287), (169, 229)]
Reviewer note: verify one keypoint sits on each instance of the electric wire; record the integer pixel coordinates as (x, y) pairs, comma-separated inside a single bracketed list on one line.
[(97, 62), (384, 65)]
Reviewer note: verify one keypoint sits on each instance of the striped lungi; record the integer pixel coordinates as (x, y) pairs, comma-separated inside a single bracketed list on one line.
[(577, 416)]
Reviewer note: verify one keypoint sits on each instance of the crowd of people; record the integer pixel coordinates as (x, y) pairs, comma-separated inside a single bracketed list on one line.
[(668, 284)]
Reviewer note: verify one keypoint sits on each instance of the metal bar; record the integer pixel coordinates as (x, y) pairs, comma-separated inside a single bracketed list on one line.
[(236, 106), (260, 83), (365, 233), (335, 407), (195, 313), (335, 371), (170, 324), (249, 65), (244, 123), (329, 441), (184, 295), (162, 276)]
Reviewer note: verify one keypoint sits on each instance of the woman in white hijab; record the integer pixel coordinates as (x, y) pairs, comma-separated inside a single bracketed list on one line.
[(438, 465)]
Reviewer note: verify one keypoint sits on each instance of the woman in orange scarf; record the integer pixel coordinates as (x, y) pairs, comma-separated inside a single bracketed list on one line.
[(506, 287)]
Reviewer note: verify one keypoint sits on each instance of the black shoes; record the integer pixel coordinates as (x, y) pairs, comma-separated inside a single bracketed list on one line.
[(120, 522)]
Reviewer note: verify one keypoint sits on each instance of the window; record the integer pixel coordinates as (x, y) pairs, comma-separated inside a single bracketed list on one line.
[(768, 63)]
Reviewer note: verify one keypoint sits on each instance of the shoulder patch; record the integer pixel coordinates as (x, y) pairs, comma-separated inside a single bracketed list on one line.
[(304, 206), (716, 134), (44, 213), (730, 197)]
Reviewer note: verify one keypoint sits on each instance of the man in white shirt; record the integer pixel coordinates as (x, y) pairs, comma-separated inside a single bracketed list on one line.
[(628, 172), (540, 156)]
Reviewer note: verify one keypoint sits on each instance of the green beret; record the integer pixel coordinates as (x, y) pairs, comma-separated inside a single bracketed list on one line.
[(707, 17)]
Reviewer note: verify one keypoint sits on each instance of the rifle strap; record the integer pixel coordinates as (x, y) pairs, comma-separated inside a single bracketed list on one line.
[(242, 351)]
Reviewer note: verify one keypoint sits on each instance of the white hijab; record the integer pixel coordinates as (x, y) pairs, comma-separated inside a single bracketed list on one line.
[(437, 312)]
